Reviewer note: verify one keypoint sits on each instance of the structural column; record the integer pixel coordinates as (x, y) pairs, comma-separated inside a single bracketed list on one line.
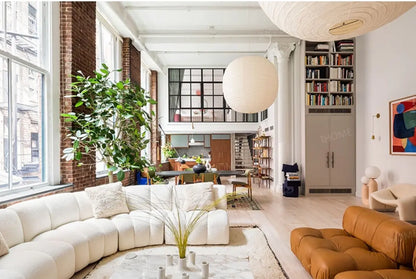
[(282, 151)]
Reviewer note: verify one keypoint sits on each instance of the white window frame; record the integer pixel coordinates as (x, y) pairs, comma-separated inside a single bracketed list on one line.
[(50, 69), (117, 57)]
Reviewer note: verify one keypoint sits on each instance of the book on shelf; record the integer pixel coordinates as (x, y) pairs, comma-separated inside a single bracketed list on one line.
[(322, 46), (341, 59), (316, 60), (341, 73)]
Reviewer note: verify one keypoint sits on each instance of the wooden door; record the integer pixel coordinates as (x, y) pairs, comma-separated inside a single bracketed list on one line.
[(221, 154), (317, 151), (342, 147)]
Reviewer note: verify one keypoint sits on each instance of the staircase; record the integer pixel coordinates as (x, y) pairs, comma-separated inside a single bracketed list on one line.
[(243, 159)]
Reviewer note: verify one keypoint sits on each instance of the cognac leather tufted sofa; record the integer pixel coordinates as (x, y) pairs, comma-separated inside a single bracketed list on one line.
[(371, 245)]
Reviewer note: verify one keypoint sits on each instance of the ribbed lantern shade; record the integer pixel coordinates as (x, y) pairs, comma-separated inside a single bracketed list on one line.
[(372, 172), (329, 21), (250, 84)]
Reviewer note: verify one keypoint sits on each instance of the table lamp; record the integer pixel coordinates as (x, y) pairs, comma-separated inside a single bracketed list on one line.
[(372, 173)]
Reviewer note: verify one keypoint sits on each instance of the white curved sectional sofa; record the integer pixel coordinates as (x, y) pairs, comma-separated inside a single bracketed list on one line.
[(56, 236)]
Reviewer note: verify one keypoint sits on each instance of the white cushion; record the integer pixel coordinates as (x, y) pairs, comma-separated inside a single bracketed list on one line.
[(11, 227), (109, 230), (138, 197), (63, 208), (4, 248), (195, 196), (34, 216), (220, 196), (107, 200)]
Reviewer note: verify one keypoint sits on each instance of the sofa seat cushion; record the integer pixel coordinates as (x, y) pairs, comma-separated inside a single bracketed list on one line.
[(377, 274), (10, 274), (212, 228), (43, 259), (138, 229), (109, 230), (78, 240)]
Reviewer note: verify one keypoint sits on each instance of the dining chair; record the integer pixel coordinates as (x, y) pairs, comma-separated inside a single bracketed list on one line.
[(209, 177), (244, 184), (187, 178)]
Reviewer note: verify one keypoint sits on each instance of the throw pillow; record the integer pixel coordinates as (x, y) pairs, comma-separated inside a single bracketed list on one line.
[(107, 200), (4, 248), (198, 196)]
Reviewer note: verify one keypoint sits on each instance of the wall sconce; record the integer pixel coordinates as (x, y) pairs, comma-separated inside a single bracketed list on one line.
[(373, 136)]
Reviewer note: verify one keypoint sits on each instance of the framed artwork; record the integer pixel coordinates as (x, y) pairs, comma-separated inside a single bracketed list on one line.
[(403, 126)]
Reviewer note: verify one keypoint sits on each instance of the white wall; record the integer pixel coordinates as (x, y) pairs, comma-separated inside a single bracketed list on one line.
[(386, 70)]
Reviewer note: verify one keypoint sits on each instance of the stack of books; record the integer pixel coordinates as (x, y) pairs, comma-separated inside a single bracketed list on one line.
[(345, 46), (322, 46)]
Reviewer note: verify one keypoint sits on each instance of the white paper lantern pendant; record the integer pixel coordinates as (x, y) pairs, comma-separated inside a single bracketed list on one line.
[(250, 84)]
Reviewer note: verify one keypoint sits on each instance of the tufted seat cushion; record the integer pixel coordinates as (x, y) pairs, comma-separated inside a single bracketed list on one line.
[(370, 241)]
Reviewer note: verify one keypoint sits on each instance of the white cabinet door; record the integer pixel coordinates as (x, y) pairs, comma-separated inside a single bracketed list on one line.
[(342, 148), (317, 152)]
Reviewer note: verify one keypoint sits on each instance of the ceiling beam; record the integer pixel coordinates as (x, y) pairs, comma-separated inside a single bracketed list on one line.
[(209, 51), (191, 8), (258, 34)]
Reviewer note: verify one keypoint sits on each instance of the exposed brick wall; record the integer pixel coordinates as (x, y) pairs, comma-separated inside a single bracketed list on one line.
[(155, 134), (131, 62), (77, 53)]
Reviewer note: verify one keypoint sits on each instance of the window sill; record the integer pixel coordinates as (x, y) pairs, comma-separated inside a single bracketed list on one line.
[(8, 198)]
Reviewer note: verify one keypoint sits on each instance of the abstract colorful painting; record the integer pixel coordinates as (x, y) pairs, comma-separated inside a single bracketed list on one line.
[(403, 126)]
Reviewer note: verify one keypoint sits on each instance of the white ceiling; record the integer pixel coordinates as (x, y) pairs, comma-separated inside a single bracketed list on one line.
[(193, 33)]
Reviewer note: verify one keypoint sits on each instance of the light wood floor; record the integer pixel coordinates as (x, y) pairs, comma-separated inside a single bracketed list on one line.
[(280, 215)]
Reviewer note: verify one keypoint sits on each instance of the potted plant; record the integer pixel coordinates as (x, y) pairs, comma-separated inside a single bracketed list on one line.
[(106, 122), (199, 167), (169, 151)]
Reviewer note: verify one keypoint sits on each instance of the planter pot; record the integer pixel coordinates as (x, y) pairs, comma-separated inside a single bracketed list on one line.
[(182, 265), (199, 168)]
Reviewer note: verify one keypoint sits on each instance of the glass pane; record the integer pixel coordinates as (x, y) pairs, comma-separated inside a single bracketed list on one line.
[(229, 115), (208, 115), (4, 132), (196, 115), (173, 88), (186, 75), (185, 115), (208, 102), (239, 117), (174, 75), (98, 58), (207, 75), (218, 89), (218, 74), (1, 26), (174, 115), (174, 101), (196, 102), (186, 89), (208, 89), (196, 74), (196, 89), (218, 115), (218, 101), (28, 142), (108, 48), (23, 29), (185, 102)]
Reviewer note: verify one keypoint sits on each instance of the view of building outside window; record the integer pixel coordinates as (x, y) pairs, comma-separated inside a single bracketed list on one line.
[(22, 94), (108, 51)]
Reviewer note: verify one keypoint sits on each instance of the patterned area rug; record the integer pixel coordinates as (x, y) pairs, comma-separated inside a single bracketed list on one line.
[(249, 243), (242, 202)]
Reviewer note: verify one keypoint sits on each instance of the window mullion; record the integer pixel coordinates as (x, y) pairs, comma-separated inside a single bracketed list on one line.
[(10, 121)]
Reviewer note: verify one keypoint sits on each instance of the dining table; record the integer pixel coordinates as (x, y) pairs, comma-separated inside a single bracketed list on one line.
[(169, 174)]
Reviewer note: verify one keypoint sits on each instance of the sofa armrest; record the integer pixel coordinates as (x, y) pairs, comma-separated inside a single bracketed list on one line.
[(407, 208), (220, 193), (382, 200)]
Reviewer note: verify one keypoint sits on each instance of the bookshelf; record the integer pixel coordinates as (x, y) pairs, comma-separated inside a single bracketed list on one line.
[(329, 73), (261, 159)]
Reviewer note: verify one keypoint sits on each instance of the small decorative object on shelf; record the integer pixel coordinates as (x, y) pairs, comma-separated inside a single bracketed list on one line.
[(261, 159), (205, 270), (161, 273)]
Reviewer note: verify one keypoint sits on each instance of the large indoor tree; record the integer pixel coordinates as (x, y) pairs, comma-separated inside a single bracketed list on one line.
[(107, 121)]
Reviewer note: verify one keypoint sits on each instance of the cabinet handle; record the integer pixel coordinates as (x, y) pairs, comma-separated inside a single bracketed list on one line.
[(327, 160), (333, 160)]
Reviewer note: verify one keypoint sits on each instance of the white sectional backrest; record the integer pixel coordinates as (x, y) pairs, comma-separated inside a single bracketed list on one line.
[(138, 197), (84, 204), (219, 195), (34, 216), (11, 227), (63, 209), (161, 196)]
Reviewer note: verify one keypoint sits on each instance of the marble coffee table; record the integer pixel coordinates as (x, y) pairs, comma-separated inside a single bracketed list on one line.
[(146, 266)]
